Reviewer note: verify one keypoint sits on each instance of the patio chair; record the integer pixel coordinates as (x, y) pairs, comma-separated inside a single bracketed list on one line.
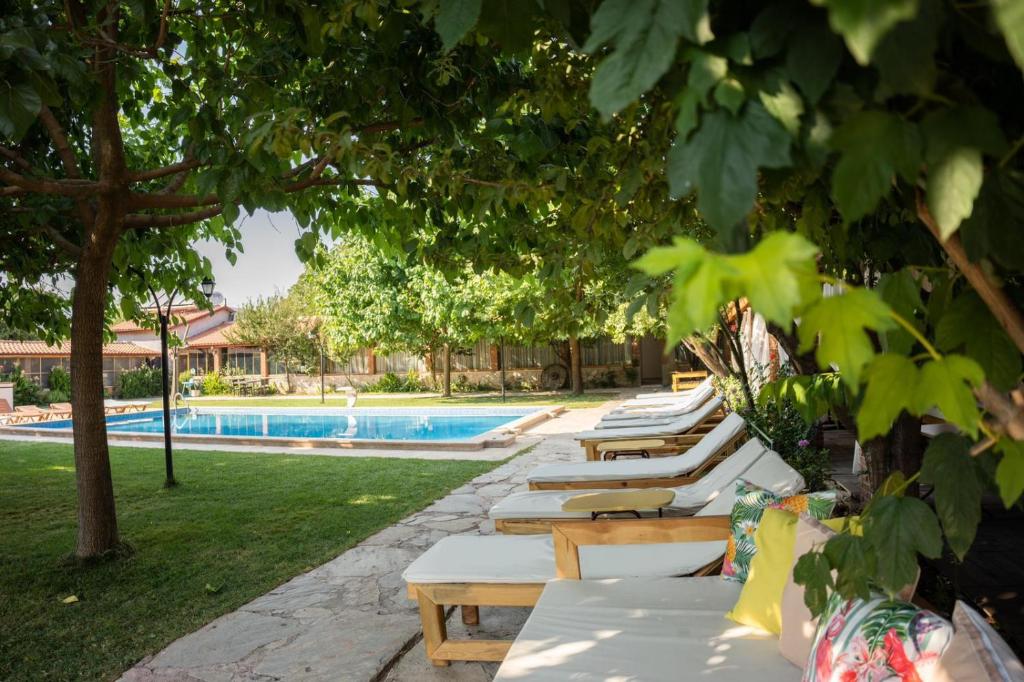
[(111, 406), (471, 571), (534, 511), (699, 421), (63, 409), (33, 413), (691, 460), (636, 416), (641, 400)]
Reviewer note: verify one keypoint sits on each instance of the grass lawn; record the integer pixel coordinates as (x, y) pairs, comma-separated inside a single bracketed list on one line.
[(237, 526), (585, 400)]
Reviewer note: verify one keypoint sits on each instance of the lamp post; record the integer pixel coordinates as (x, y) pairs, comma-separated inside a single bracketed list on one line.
[(315, 337), (164, 317)]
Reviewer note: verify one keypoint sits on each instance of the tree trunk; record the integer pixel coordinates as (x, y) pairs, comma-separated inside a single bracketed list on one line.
[(708, 355), (899, 450), (447, 350), (97, 517), (575, 366)]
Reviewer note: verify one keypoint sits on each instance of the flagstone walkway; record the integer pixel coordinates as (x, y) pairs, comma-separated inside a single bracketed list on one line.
[(350, 619)]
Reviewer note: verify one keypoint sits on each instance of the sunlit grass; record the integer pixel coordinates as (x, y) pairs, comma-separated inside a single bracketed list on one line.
[(241, 524)]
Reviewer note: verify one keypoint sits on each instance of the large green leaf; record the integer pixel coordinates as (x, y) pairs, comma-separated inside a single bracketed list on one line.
[(779, 275), (967, 323), (875, 146), (812, 61), (949, 467), (863, 23), (898, 528), (839, 324), (644, 34), (1010, 18), (892, 388), (857, 560), (904, 57), (1010, 472), (947, 382), (814, 572), (721, 161), (1000, 203), (903, 294), (19, 106), (706, 70), (454, 19)]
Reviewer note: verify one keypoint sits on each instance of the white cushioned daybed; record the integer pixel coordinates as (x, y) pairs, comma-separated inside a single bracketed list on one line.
[(676, 409), (668, 427)]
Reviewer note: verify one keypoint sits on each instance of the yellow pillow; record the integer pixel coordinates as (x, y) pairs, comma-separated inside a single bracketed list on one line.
[(760, 602)]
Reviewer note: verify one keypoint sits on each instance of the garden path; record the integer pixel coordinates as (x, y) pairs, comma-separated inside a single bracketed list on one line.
[(350, 618)]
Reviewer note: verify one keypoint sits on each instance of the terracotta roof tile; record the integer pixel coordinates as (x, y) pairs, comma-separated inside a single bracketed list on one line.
[(185, 314), (23, 348), (214, 337)]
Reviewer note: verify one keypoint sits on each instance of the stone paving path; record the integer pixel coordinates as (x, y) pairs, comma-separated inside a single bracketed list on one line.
[(350, 619)]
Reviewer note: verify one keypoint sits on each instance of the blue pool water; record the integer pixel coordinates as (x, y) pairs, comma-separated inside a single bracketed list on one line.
[(372, 425)]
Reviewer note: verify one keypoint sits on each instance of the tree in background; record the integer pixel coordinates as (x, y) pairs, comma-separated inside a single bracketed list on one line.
[(281, 326), (128, 130)]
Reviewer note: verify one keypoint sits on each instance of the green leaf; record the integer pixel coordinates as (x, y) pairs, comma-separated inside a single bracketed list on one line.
[(1010, 19), (949, 467), (838, 324), (967, 323), (19, 106), (863, 23), (777, 273), (1000, 203), (645, 34), (903, 294), (784, 103), (771, 27), (455, 18), (682, 256), (905, 57), (875, 146), (891, 388), (813, 60), (706, 70), (898, 528), (947, 382), (729, 93), (814, 572), (854, 560), (510, 23), (1010, 472), (721, 161), (954, 141)]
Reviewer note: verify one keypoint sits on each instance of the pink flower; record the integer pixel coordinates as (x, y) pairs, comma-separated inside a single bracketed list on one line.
[(803, 442)]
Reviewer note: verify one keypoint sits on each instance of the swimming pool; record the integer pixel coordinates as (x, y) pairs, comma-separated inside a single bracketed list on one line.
[(467, 427)]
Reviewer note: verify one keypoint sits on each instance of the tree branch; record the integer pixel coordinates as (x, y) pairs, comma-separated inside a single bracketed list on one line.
[(60, 141), (14, 156), (155, 173), (140, 221), (1007, 314), (67, 188), (68, 246)]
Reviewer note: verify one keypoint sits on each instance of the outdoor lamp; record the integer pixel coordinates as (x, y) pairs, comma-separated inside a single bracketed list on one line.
[(207, 285)]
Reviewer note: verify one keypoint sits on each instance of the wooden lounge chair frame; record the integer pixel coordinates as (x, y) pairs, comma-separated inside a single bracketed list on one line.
[(33, 413), (684, 380), (691, 437), (675, 448), (433, 598)]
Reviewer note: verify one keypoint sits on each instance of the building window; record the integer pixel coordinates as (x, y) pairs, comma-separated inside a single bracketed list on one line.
[(243, 360)]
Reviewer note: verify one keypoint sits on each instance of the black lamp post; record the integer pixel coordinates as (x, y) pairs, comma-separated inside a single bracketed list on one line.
[(164, 317)]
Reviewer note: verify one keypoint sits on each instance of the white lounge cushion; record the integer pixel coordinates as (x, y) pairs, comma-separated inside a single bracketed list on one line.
[(640, 630), (531, 559), (688, 404), (676, 426), (656, 467), (547, 504), (666, 396)]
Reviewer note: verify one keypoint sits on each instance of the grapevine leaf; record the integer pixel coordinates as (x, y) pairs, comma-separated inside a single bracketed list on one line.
[(949, 467), (863, 23), (903, 294), (854, 560), (1010, 472), (720, 161), (905, 56), (947, 382), (841, 322), (1010, 19), (892, 386), (645, 34), (813, 60), (898, 528), (455, 18), (19, 106), (776, 272), (875, 146), (814, 572), (706, 70), (968, 324)]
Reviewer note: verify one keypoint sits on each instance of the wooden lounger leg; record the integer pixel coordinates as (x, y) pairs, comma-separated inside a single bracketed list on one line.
[(470, 614), (434, 630)]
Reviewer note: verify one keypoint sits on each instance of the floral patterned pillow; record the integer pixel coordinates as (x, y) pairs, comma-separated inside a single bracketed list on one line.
[(874, 640), (751, 501)]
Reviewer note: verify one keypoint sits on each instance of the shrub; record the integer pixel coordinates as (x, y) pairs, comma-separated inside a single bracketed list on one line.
[(141, 382), (26, 392), (59, 380), (605, 379), (214, 383), (392, 383), (462, 384), (55, 396), (792, 438), (184, 377)]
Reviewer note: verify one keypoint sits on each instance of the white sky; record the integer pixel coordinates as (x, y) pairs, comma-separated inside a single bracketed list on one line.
[(267, 265)]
